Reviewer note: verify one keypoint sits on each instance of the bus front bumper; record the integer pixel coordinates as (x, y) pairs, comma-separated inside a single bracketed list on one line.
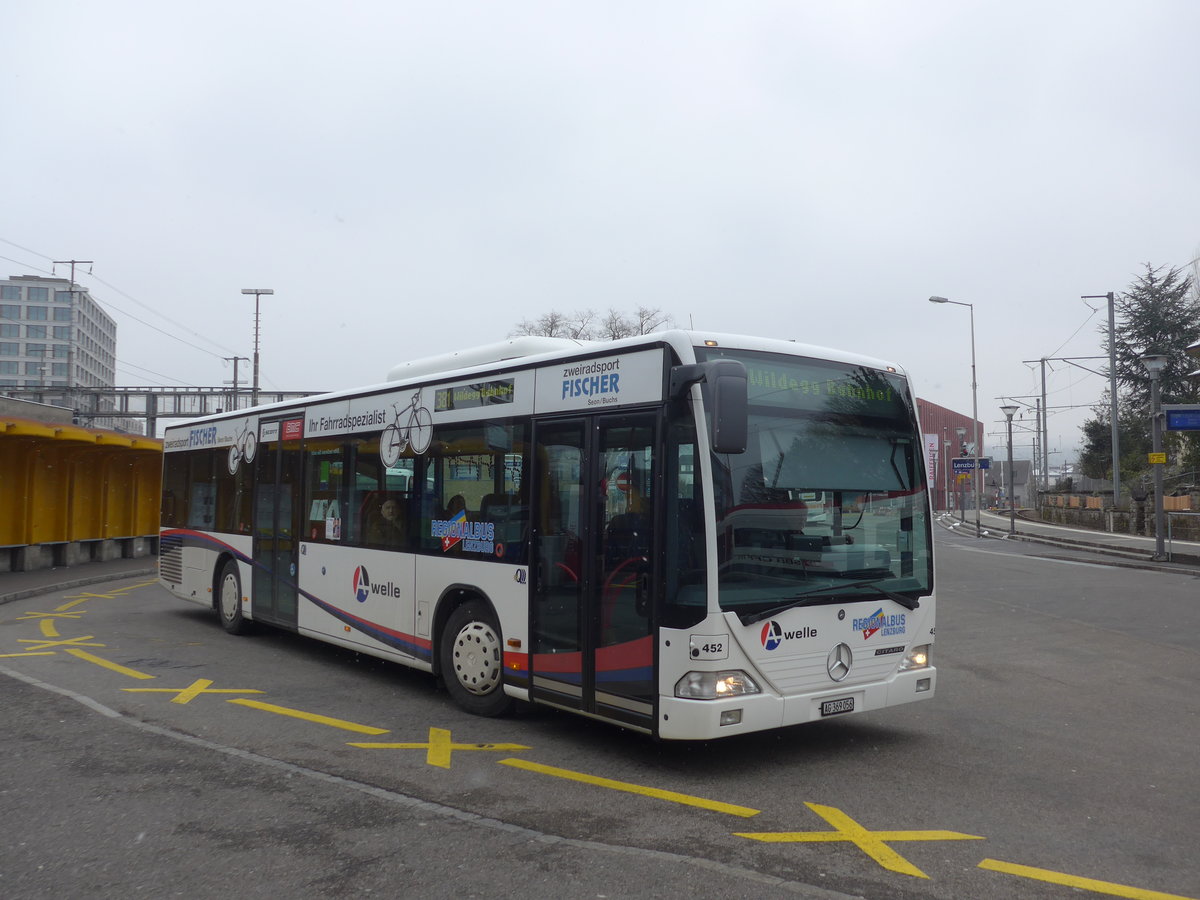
[(680, 719)]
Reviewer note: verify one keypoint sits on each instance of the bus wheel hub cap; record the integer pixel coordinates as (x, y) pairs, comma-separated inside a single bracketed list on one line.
[(474, 653)]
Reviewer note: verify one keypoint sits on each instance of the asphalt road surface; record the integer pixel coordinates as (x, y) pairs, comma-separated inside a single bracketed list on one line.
[(144, 752)]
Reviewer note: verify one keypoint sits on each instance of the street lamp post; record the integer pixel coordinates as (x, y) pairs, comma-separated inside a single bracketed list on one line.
[(1012, 497), (962, 507), (257, 292), (974, 405), (1155, 363), (945, 471)]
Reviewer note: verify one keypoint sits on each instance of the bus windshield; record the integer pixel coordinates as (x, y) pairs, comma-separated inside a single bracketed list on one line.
[(828, 502)]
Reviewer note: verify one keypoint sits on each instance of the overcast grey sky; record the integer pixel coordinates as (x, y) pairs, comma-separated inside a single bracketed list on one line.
[(412, 178)]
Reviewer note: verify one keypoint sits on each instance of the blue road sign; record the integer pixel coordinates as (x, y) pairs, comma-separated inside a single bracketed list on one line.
[(1182, 417), (967, 463)]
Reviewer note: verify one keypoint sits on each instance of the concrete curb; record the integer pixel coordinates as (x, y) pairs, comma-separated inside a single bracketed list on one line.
[(74, 583)]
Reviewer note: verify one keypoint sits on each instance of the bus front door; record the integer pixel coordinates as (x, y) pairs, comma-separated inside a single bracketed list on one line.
[(277, 491), (595, 572)]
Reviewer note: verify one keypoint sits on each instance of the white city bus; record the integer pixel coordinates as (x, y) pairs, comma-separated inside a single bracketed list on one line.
[(690, 535)]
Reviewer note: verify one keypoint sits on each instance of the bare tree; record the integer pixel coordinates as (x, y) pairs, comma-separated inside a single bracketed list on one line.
[(579, 325), (551, 324), (649, 320), (615, 326), (583, 324)]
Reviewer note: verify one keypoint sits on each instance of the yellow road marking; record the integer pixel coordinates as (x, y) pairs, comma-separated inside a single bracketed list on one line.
[(439, 748), (114, 594), (71, 605), (85, 641), (872, 843), (310, 717), (14, 655), (192, 691), (656, 793), (48, 628), (1087, 884), (49, 615), (116, 667)]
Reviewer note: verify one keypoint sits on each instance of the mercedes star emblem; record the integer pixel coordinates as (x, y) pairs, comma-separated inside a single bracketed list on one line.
[(838, 664)]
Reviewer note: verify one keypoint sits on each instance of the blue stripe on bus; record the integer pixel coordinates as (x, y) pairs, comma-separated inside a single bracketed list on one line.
[(409, 644)]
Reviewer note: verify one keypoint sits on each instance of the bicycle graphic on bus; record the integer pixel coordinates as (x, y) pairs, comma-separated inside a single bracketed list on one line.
[(243, 447), (416, 432)]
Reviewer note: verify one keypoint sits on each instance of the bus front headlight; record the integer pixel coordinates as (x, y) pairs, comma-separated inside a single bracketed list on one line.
[(715, 685), (916, 658)]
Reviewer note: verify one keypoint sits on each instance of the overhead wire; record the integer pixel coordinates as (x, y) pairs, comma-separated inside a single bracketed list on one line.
[(127, 365), (1077, 330), (1054, 355), (26, 249), (25, 264), (106, 305), (165, 317)]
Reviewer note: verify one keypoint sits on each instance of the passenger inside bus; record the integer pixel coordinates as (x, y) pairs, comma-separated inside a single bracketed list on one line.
[(386, 526)]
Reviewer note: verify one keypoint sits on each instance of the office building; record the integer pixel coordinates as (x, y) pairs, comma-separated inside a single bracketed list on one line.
[(54, 338)]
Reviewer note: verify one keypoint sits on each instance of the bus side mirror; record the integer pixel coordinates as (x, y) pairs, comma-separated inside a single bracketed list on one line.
[(727, 399), (729, 406)]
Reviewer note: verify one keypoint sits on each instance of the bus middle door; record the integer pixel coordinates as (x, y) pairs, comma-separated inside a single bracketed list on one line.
[(277, 498)]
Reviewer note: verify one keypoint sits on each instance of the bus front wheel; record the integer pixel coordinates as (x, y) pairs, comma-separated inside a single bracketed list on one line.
[(472, 657), (229, 599)]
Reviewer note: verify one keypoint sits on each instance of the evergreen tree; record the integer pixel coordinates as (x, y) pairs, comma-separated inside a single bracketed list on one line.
[(1095, 459), (1157, 314), (1161, 314)]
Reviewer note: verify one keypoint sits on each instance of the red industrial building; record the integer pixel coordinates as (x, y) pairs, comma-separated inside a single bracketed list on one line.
[(940, 428)]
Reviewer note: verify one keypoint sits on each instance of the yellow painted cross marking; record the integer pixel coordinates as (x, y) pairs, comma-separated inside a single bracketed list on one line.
[(89, 595), (114, 594), (440, 747), (115, 667), (656, 793), (192, 691), (75, 642), (872, 843), (310, 717), (49, 615), (1087, 884)]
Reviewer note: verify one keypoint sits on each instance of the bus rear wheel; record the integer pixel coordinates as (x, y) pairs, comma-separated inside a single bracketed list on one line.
[(472, 660), (229, 599)]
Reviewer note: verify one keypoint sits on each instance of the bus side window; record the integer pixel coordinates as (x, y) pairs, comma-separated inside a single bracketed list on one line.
[(325, 496), (365, 481)]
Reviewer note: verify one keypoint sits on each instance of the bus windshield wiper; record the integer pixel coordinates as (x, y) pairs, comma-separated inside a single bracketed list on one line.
[(906, 602), (808, 596), (799, 600)]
